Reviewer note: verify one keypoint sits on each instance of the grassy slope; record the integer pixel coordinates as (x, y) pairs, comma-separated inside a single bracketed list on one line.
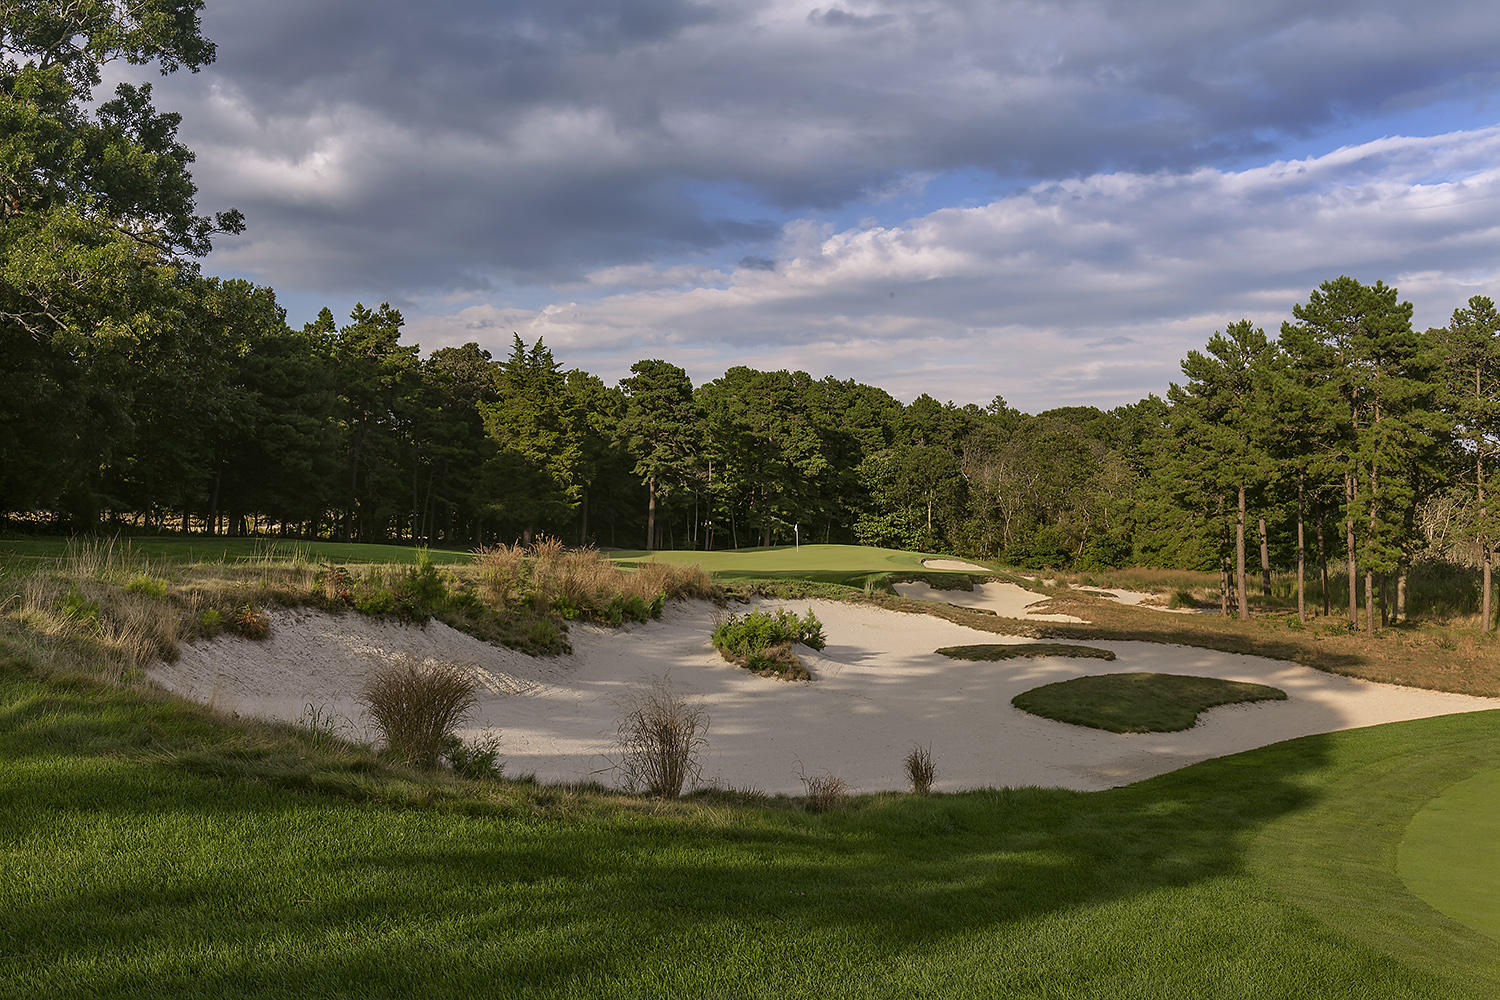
[(136, 859)]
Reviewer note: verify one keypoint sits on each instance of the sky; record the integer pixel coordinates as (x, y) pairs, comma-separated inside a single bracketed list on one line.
[(1049, 201)]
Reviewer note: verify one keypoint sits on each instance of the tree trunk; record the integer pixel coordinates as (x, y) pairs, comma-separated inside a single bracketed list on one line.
[(1369, 602), (1265, 560), (1301, 558), (583, 525), (1401, 594), (1485, 622), (213, 504), (1241, 583), (1350, 492), (1323, 562), (651, 514)]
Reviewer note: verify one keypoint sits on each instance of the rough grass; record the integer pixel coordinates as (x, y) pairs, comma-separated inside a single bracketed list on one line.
[(1138, 703), (1013, 651)]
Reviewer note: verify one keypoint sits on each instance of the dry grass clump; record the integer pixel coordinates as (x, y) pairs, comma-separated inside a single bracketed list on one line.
[(824, 791), (659, 741), (920, 770), (416, 706), (583, 582), (501, 570)]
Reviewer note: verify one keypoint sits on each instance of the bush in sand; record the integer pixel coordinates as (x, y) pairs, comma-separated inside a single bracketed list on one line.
[(920, 770), (416, 705)]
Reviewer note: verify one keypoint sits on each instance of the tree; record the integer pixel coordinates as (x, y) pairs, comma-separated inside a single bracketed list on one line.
[(1222, 422), (661, 429), (533, 477), (97, 228), (1469, 351)]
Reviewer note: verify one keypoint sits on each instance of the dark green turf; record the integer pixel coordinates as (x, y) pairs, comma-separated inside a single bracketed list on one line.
[(1450, 854), (193, 549), (1138, 703), (1020, 650)]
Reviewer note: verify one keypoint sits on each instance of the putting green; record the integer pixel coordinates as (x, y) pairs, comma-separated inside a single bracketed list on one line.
[(1450, 854)]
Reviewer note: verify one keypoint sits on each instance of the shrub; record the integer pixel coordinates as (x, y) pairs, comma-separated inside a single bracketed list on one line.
[(420, 593), (147, 586), (376, 603), (416, 705), (659, 741), (477, 761), (249, 622), (336, 584), (920, 770), (762, 641), (210, 622)]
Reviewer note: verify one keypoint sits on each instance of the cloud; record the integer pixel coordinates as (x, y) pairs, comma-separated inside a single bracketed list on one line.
[(415, 149), (1087, 290)]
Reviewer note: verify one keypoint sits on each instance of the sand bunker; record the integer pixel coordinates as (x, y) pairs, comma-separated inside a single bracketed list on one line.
[(1140, 599), (953, 566), (880, 688), (1005, 599)]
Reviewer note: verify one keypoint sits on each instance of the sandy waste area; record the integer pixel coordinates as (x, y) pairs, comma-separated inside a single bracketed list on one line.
[(879, 688)]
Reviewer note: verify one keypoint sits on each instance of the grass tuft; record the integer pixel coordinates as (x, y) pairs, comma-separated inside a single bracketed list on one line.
[(920, 769), (660, 741), (416, 705)]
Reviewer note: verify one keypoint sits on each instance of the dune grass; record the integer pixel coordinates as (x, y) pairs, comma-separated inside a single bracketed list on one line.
[(1021, 650), (1138, 703), (140, 859)]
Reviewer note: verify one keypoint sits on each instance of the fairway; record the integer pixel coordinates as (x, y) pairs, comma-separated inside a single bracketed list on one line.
[(851, 565), (28, 552), (1450, 855)]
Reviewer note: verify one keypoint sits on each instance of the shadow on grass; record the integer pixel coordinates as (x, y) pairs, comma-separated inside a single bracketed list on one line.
[(131, 875)]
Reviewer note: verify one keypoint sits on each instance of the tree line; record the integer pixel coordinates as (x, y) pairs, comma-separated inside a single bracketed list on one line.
[(139, 392)]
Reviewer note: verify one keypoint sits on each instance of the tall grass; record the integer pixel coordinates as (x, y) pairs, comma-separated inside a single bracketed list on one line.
[(416, 705), (660, 741)]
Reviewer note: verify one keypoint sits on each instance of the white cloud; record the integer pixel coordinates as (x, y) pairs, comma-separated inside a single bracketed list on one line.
[(1078, 291)]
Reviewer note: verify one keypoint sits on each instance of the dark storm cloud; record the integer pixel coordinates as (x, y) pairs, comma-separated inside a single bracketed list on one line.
[(453, 144)]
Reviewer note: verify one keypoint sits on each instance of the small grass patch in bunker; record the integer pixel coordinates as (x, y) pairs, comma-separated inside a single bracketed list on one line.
[(1138, 703)]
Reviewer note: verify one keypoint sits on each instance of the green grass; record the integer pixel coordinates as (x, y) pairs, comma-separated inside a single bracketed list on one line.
[(1138, 703), (846, 565), (148, 851), (1013, 651), (200, 549), (1448, 856)]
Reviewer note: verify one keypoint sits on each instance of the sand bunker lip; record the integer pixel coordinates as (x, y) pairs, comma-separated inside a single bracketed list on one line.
[(954, 566), (881, 688), (1005, 599), (1139, 599)]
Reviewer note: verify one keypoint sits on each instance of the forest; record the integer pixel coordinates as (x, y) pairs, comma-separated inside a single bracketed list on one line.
[(140, 394)]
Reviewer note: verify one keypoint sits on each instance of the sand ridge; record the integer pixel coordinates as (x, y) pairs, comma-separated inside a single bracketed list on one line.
[(879, 689)]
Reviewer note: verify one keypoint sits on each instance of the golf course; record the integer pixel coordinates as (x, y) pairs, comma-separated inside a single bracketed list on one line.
[(154, 846)]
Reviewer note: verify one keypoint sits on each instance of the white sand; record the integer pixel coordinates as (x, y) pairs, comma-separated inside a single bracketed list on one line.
[(1005, 599), (1140, 599), (953, 565), (880, 688)]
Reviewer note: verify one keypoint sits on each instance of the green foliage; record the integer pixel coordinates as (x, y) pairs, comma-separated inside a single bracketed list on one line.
[(248, 622), (762, 641), (478, 760), (147, 586)]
